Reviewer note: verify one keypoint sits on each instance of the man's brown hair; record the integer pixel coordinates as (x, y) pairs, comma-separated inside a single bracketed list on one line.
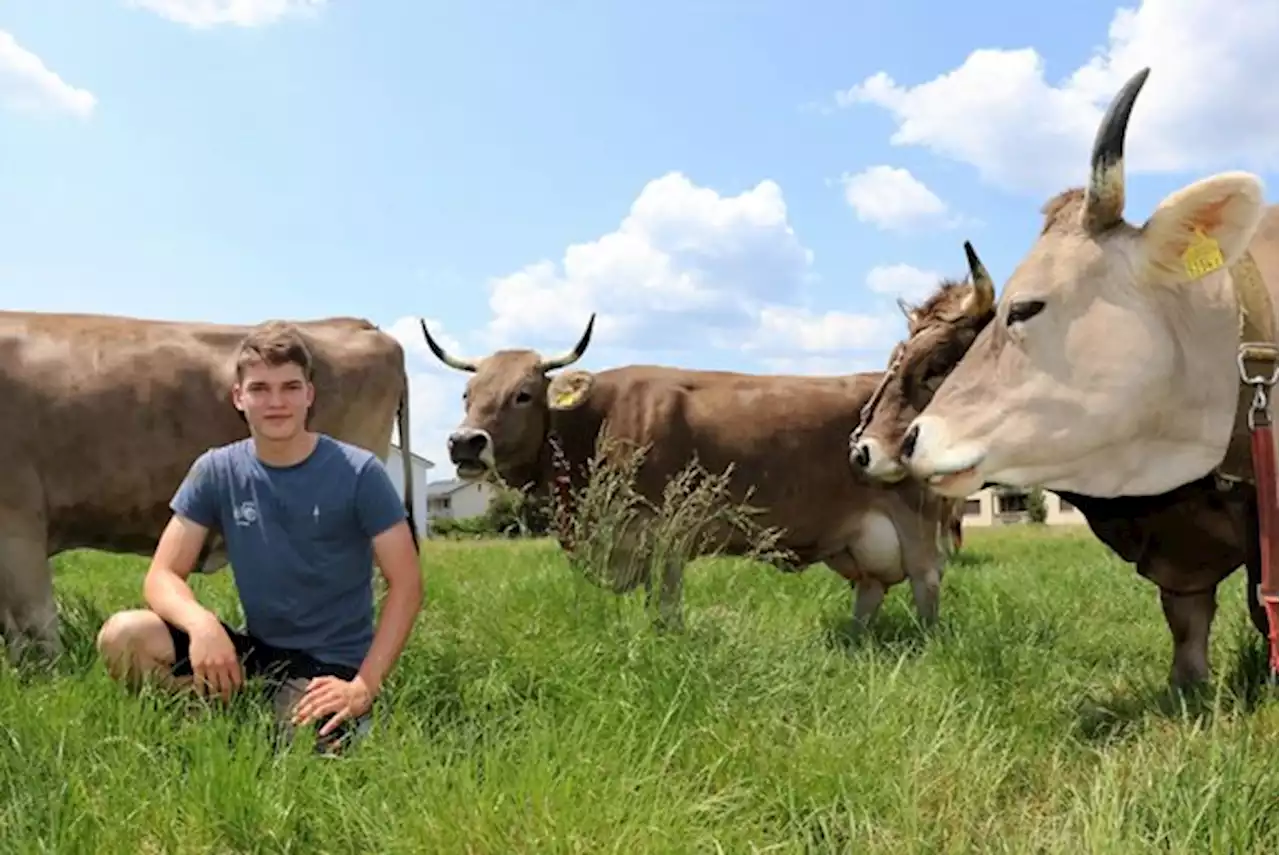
[(273, 343)]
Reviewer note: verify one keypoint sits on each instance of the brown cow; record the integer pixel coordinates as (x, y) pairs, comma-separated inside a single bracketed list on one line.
[(106, 415), (779, 433), (1186, 540)]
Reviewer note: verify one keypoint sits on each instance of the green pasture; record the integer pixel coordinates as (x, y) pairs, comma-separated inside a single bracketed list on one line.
[(535, 713)]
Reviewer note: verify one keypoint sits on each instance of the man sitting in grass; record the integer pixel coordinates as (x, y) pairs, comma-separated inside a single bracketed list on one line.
[(303, 516)]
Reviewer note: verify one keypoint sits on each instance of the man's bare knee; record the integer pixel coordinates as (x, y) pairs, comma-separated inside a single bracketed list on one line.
[(135, 643)]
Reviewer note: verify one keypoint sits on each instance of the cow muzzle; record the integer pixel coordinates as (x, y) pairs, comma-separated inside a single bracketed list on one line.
[(869, 457), (471, 452), (951, 469)]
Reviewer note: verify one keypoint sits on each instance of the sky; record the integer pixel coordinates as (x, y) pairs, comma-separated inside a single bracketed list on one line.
[(742, 185)]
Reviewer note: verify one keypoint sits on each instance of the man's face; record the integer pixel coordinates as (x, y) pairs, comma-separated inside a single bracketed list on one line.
[(274, 399)]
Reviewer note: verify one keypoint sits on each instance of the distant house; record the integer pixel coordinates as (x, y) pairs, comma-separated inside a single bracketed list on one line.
[(421, 466), (457, 499), (1005, 506)]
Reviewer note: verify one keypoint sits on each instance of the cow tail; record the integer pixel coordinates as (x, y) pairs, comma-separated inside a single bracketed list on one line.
[(406, 461)]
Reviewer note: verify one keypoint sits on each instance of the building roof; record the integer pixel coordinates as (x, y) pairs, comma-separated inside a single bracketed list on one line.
[(445, 487), (417, 458)]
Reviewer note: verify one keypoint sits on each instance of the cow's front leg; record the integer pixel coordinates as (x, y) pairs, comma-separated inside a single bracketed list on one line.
[(671, 596), (868, 591), (1189, 617), (28, 610), (924, 590), (868, 595)]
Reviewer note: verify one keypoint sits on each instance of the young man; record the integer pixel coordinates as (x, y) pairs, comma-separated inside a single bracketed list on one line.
[(304, 517)]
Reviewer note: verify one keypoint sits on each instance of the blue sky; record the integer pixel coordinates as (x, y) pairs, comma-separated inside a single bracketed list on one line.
[(783, 171)]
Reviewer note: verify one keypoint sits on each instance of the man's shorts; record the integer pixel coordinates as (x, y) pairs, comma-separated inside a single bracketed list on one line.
[(289, 670), (260, 659)]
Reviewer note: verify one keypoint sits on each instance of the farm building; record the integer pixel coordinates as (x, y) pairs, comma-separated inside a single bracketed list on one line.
[(1005, 506), (421, 466), (458, 499)]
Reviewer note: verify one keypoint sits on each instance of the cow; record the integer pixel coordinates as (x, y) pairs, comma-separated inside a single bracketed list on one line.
[(1118, 361), (526, 428), (107, 414), (1186, 540)]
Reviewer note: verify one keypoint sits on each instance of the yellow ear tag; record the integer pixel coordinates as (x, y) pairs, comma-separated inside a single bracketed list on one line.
[(1202, 256), (567, 398)]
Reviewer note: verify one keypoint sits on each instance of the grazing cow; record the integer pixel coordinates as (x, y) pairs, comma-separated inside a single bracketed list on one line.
[(779, 433), (1186, 540), (107, 414)]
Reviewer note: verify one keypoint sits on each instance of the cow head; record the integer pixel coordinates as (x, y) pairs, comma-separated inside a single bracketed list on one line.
[(1109, 368), (506, 416), (939, 332)]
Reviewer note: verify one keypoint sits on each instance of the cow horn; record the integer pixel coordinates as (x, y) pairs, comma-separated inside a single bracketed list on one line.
[(983, 295), (573, 355), (1104, 198), (451, 361)]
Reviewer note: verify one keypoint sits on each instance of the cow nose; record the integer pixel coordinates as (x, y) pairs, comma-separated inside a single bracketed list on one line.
[(862, 455), (467, 444), (909, 442)]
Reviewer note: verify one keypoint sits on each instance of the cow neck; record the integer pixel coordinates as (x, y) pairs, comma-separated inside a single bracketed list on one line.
[(1252, 451)]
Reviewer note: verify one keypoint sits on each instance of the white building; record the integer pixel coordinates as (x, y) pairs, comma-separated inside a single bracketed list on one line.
[(458, 499), (1004, 506), (421, 466)]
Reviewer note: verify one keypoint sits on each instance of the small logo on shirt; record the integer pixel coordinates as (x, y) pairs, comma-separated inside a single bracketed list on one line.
[(245, 514)]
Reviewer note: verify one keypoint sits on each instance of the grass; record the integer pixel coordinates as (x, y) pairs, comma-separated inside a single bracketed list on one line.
[(533, 712)]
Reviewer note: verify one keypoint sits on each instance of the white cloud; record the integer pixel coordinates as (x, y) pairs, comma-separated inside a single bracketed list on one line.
[(892, 198), (202, 14), (685, 261), (28, 85), (903, 280), (1210, 103), (789, 328)]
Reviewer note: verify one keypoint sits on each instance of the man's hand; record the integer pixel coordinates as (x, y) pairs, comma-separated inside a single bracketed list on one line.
[(215, 667), (333, 695)]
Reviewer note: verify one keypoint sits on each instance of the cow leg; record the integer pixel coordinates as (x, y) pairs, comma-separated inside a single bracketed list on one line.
[(924, 590), (1189, 617), (922, 561), (868, 591), (868, 595), (671, 595), (28, 610)]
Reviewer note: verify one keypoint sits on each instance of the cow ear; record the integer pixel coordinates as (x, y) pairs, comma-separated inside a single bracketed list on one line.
[(1202, 227), (569, 390)]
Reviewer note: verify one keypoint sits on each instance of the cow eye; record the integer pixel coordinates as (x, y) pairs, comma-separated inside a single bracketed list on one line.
[(1024, 310), (523, 398)]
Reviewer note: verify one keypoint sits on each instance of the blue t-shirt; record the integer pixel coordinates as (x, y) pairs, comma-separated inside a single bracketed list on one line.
[(299, 540)]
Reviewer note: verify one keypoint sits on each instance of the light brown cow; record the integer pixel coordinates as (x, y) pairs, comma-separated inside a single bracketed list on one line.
[(780, 433), (1112, 367), (106, 415), (1186, 541)]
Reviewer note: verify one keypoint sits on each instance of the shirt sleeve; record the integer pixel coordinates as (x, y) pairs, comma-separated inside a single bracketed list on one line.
[(197, 495), (378, 505)]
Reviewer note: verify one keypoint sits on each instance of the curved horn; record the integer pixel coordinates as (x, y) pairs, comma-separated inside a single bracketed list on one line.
[(1104, 198), (983, 295), (451, 361), (573, 355)]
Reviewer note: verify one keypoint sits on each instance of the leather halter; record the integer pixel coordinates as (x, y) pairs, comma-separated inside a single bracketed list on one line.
[(1251, 453)]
